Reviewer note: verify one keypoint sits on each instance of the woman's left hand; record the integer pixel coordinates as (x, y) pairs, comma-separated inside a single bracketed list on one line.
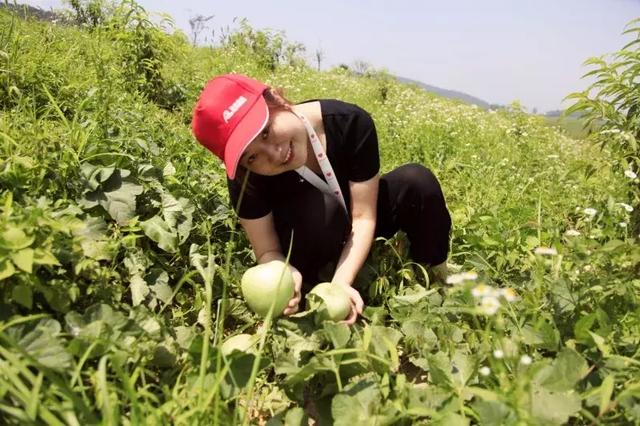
[(292, 306), (356, 305)]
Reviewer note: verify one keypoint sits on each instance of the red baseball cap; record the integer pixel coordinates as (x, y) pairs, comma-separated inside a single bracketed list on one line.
[(229, 114)]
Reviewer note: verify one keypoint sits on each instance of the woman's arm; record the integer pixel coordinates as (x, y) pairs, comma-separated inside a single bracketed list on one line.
[(266, 247), (364, 198)]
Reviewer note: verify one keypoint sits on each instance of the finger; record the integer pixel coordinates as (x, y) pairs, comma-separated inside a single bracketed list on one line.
[(356, 299), (353, 315), (351, 319), (294, 302), (290, 310)]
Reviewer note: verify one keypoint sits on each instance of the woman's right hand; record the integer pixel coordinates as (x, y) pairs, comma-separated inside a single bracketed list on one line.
[(292, 307)]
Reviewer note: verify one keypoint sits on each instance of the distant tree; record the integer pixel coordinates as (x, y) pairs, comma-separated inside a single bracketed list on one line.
[(361, 67), (198, 23), (319, 57)]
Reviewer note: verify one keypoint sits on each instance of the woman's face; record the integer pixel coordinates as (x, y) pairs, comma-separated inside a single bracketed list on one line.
[(280, 147)]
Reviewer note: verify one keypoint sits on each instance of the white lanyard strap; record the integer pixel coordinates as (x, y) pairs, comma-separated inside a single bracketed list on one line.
[(331, 185)]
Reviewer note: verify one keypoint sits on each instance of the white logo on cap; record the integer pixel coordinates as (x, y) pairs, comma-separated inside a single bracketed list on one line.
[(233, 108)]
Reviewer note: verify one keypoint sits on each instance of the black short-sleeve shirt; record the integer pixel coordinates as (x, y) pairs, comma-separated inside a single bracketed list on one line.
[(352, 149)]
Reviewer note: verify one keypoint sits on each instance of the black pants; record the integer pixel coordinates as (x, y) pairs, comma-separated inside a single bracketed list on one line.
[(409, 199)]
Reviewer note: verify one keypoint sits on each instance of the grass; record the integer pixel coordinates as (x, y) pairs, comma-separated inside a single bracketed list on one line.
[(120, 257)]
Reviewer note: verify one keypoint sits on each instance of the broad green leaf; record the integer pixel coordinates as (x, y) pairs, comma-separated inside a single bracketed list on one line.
[(161, 288), (357, 402), (139, 289), (178, 214), (583, 326), (137, 262), (42, 342), (564, 372), (463, 368), (6, 269), (296, 417), (164, 355), (601, 343), (116, 196), (186, 222), (23, 294), (426, 400), (440, 369), (171, 209), (553, 407), (184, 336), (413, 295), (151, 326), (15, 239), (494, 413), (169, 169), (532, 242), (239, 373), (158, 230), (94, 240), (98, 250), (485, 394), (44, 257), (423, 336), (339, 334), (451, 419), (606, 390), (23, 259)]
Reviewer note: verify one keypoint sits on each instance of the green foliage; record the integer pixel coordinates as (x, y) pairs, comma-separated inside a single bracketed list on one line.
[(120, 259), (613, 103), (267, 49), (90, 13)]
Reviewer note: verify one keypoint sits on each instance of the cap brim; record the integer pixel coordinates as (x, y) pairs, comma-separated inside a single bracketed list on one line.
[(245, 132)]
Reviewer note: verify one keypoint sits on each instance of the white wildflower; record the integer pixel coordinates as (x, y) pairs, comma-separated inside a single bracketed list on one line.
[(461, 277), (630, 174), (546, 251), (590, 211), (627, 207), (509, 294), (587, 268), (572, 233), (490, 305), (484, 371), (623, 224), (498, 354), (525, 360), (481, 290)]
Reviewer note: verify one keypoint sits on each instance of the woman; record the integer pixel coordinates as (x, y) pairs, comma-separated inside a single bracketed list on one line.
[(306, 175)]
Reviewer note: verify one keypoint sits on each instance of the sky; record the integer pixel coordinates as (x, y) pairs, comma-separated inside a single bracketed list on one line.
[(500, 51)]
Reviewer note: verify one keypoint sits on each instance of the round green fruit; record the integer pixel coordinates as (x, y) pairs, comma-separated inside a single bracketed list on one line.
[(239, 342), (336, 300), (264, 283)]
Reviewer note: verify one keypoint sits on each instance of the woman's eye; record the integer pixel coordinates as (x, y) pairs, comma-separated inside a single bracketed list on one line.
[(265, 132), (251, 158)]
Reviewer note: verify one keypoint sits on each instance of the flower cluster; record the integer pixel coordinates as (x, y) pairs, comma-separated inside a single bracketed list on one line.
[(461, 277), (490, 299)]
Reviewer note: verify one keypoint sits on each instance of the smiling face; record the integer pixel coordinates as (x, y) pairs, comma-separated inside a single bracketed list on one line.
[(280, 147)]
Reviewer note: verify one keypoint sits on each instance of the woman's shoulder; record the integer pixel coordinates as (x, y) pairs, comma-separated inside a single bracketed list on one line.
[(337, 107)]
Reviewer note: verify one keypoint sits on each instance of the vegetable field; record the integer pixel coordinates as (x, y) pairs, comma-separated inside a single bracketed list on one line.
[(121, 259)]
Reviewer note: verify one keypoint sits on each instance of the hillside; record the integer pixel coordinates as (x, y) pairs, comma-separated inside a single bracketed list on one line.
[(121, 257), (449, 94)]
